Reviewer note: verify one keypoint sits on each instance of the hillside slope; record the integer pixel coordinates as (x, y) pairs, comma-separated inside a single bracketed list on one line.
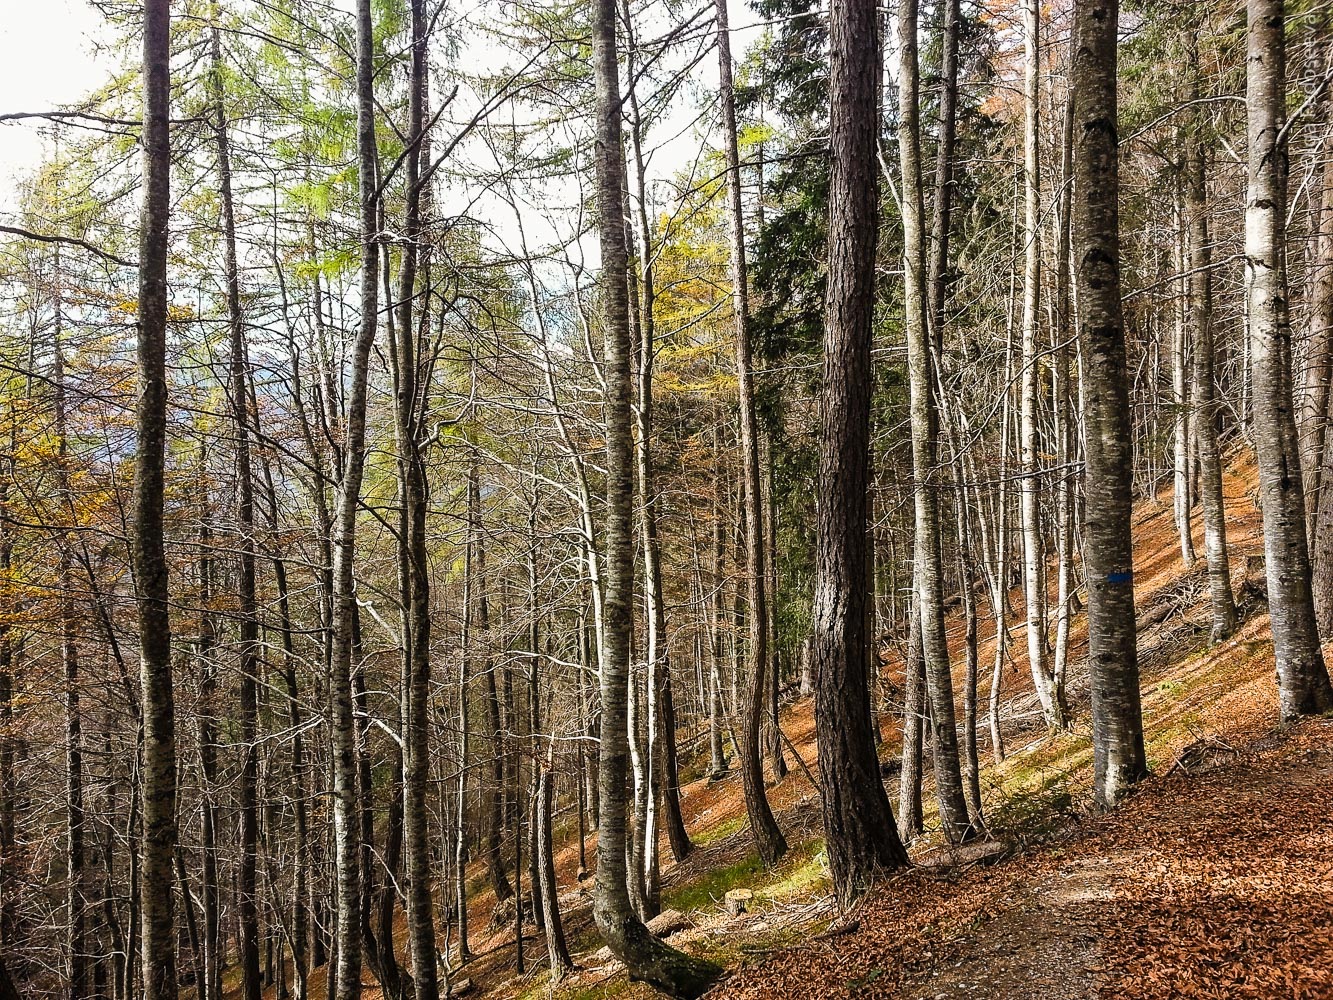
[(1213, 880)]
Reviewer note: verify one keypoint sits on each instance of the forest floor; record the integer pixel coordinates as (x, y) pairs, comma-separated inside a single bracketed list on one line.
[(1213, 879)]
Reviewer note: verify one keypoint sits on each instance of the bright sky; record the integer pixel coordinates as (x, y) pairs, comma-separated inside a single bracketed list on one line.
[(46, 60)]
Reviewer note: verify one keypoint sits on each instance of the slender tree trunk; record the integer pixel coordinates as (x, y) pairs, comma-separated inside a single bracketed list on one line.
[(1203, 397), (926, 562), (248, 639), (646, 958), (1182, 500), (910, 819), (1031, 485), (347, 849), (768, 837), (75, 889), (556, 949), (156, 898), (1107, 548), (1319, 350), (1303, 682)]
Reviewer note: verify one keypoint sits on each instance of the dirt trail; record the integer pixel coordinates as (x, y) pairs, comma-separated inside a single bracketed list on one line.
[(1215, 880)]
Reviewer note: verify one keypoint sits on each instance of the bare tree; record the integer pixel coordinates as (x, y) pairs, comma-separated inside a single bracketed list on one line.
[(1303, 682), (1107, 549), (156, 907)]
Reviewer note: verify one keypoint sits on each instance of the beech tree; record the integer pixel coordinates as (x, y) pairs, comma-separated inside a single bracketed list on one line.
[(1108, 556), (1303, 682)]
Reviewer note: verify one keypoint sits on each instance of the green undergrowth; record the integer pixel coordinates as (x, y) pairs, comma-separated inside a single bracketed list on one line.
[(802, 869)]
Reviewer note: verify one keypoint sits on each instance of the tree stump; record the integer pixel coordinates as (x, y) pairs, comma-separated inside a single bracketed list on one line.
[(737, 901)]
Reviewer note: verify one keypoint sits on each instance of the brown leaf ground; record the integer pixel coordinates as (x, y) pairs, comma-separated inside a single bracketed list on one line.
[(1215, 879)]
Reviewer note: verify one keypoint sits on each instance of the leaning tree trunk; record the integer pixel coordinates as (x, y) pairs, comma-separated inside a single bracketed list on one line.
[(858, 820), (927, 561), (1117, 722), (1303, 682), (646, 958), (768, 837), (148, 553)]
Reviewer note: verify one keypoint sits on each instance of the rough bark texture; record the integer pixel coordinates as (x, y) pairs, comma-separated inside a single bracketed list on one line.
[(1303, 682), (858, 820), (1107, 552), (413, 387), (646, 958), (772, 845), (156, 909)]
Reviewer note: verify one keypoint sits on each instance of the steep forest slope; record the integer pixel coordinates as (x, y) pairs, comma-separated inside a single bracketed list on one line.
[(1213, 880)]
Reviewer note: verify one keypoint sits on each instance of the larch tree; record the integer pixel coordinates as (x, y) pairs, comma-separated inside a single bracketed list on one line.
[(346, 803), (859, 827), (156, 876)]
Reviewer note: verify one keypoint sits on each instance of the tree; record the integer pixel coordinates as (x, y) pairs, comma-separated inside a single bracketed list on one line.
[(859, 828), (648, 959), (1303, 682), (768, 837), (1203, 391), (1108, 557), (148, 551), (346, 812), (927, 569)]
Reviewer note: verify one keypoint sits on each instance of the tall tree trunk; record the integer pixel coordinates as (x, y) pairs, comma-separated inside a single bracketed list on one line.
[(926, 560), (1107, 547), (413, 390), (1203, 395), (347, 848), (248, 638), (148, 554), (858, 820), (1034, 549), (910, 819), (1303, 682), (768, 837), (556, 949), (646, 958), (75, 853), (1182, 499), (1319, 351), (492, 792)]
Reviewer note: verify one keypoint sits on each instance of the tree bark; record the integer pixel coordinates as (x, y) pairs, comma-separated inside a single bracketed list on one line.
[(347, 848), (768, 837), (646, 958), (859, 828), (1118, 757), (248, 638), (1303, 682), (1203, 394), (926, 562), (156, 898)]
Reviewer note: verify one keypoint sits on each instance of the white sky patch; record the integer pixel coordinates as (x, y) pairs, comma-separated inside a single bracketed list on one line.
[(47, 61)]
